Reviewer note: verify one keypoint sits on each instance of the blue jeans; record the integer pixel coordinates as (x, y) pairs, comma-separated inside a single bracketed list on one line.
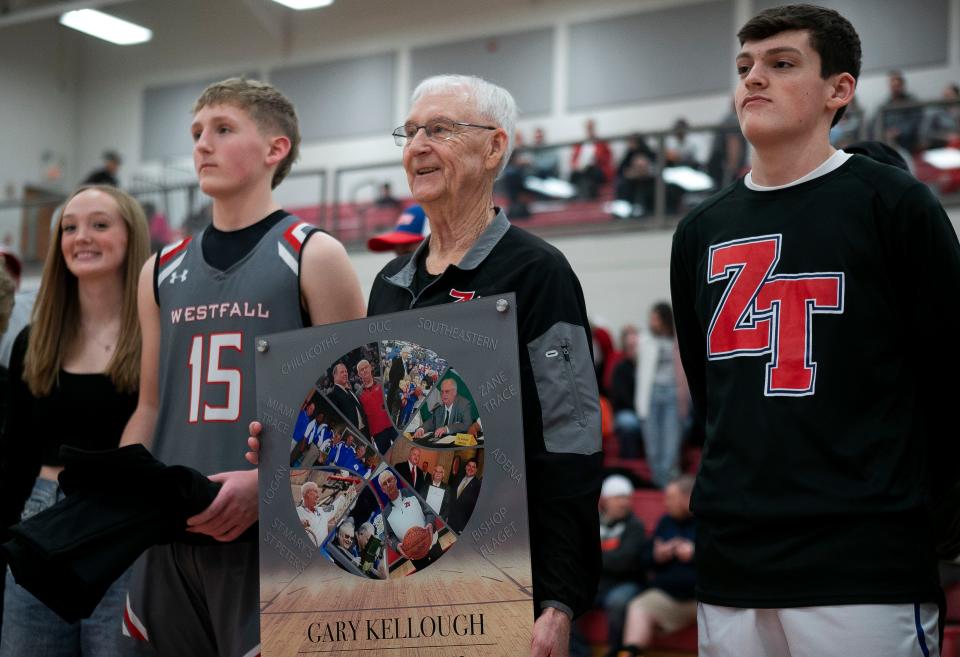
[(629, 432), (32, 630), (615, 603), (661, 434)]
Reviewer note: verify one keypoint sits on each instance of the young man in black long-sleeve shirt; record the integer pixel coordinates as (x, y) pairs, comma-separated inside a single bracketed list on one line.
[(816, 315)]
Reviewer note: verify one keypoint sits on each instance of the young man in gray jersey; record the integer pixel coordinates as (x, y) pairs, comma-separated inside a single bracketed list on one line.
[(255, 270)]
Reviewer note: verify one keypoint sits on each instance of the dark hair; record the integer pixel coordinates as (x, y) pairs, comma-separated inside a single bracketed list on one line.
[(665, 313), (831, 36)]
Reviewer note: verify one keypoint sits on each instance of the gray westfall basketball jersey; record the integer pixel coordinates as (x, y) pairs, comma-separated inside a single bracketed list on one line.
[(209, 320)]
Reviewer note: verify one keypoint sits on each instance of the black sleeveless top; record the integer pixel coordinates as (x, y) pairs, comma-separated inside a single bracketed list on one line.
[(82, 410)]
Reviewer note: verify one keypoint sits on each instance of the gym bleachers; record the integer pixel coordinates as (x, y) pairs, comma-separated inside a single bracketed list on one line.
[(648, 507), (356, 222)]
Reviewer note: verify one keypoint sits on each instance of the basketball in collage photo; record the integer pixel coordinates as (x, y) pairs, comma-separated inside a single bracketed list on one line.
[(386, 459)]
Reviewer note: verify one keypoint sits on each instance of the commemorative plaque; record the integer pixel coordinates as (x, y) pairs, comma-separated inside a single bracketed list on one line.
[(393, 513)]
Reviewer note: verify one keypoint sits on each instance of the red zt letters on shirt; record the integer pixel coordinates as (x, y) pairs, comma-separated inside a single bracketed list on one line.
[(764, 313)]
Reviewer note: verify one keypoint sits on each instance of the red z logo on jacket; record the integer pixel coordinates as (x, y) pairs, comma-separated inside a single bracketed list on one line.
[(461, 296), (764, 313)]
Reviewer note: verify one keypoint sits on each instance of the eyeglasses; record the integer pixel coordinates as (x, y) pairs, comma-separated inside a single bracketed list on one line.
[(436, 130)]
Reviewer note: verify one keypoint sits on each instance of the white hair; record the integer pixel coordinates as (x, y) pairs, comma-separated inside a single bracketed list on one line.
[(383, 476), (308, 486), (366, 528), (491, 102)]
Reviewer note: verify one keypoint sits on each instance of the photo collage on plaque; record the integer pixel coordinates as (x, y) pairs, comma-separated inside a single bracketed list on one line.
[(390, 444)]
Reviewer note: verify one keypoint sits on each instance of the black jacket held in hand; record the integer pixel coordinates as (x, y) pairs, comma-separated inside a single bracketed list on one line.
[(561, 412), (119, 502)]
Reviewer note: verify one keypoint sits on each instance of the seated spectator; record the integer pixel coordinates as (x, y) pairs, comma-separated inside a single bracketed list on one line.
[(452, 415), (386, 199), (899, 126), (623, 388), (371, 558), (635, 180), (545, 160), (728, 153), (849, 127), (680, 151), (669, 603), (346, 541), (941, 123), (591, 163), (623, 541), (512, 180), (107, 174)]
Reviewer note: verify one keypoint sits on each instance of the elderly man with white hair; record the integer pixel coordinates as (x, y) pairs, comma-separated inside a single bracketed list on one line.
[(313, 517), (456, 140)]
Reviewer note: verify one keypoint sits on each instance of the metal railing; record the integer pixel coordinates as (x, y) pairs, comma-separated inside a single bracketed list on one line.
[(330, 197)]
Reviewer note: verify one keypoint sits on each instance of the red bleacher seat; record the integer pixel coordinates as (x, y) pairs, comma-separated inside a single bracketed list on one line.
[(951, 633), (648, 507), (951, 641), (637, 467), (593, 624), (684, 640), (952, 593)]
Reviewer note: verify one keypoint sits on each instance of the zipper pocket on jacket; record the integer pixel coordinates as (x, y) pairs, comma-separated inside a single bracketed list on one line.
[(572, 383)]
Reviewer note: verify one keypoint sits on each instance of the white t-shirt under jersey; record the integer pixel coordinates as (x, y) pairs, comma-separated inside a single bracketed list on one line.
[(832, 163)]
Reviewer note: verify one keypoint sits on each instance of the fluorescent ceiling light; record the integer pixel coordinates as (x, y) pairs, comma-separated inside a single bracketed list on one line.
[(304, 4), (106, 27)]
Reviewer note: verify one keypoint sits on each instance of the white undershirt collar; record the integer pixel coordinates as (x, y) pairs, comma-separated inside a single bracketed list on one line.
[(832, 163)]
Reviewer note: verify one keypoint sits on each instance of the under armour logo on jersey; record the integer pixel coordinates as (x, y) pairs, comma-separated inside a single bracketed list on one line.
[(182, 275), (462, 296), (762, 313)]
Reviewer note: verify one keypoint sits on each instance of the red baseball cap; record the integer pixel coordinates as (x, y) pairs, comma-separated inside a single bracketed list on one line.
[(412, 226)]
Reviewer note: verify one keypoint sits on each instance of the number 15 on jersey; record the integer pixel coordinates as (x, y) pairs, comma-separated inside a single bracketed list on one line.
[(206, 370)]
